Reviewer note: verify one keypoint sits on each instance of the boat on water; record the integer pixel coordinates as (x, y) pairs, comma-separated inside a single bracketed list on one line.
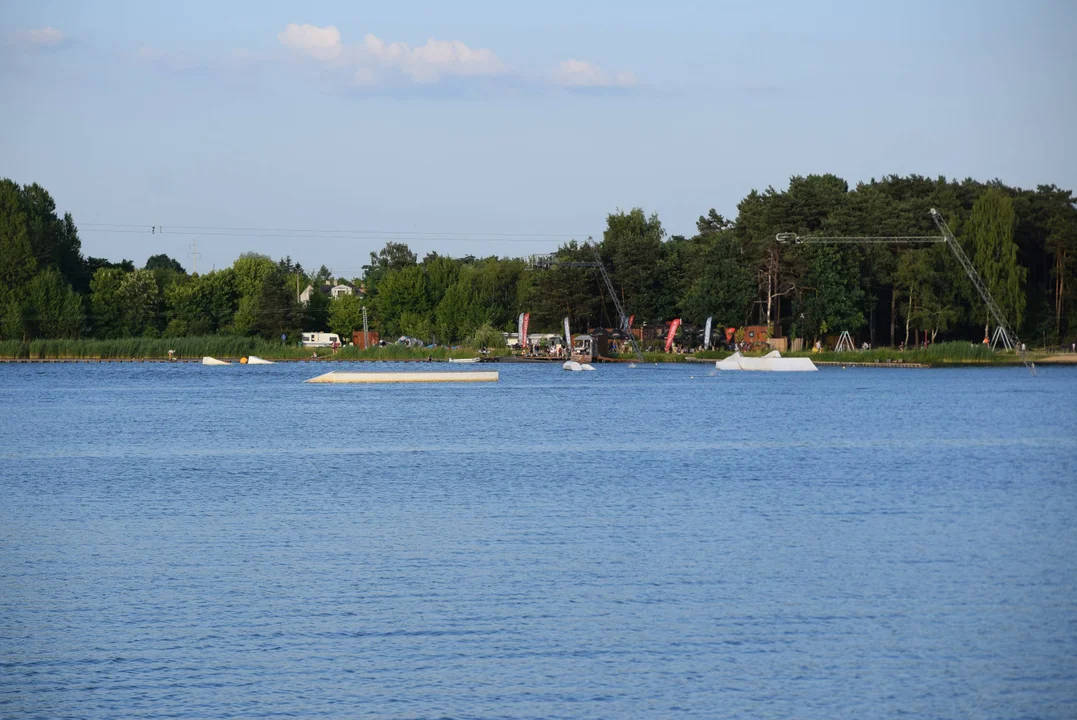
[(771, 362)]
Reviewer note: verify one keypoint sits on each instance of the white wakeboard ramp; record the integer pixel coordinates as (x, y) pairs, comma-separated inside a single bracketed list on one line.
[(213, 361), (771, 362)]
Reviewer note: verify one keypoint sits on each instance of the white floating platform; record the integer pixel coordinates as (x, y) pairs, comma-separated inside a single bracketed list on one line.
[(466, 361), (771, 362), (255, 360), (404, 377), (213, 361)]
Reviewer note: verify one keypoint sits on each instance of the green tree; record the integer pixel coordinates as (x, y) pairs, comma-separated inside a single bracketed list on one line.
[(271, 310), (441, 273), (459, 313), (927, 278), (203, 304), (315, 315), (107, 311), (990, 231), (251, 269), (485, 336), (416, 326), (345, 315), (831, 293), (632, 244), (563, 290), (164, 262), (17, 261), (394, 256), (140, 303), (52, 308), (725, 287), (54, 240), (400, 291)]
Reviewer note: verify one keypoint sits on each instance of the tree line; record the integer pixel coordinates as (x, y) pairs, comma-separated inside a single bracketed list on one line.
[(1022, 242)]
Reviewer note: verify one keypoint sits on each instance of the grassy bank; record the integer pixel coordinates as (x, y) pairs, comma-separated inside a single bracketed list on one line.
[(229, 346), (399, 352), (939, 354), (220, 346)]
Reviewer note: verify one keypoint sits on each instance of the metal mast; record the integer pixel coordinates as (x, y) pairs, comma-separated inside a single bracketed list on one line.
[(549, 260), (1009, 337)]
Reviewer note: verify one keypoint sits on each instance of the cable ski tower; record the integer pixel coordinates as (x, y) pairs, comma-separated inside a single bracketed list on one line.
[(1003, 330), (549, 260)]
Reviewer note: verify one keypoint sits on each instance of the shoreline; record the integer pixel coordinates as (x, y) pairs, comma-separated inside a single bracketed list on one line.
[(829, 362)]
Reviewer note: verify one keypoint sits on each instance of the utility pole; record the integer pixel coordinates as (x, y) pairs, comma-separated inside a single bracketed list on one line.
[(194, 255), (366, 338)]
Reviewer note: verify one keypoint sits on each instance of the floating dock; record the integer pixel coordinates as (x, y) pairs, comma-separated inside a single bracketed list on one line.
[(404, 377), (907, 365)]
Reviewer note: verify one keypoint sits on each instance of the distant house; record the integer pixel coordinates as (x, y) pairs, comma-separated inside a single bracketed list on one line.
[(327, 288), (341, 289)]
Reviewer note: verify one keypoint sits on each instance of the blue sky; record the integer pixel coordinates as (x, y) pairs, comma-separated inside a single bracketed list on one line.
[(507, 128)]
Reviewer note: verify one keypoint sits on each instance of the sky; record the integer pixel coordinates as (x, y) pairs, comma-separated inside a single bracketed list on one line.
[(322, 130)]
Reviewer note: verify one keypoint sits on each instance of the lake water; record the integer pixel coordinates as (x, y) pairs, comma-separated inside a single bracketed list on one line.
[(189, 541)]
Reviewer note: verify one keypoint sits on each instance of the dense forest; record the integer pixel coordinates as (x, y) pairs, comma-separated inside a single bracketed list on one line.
[(1023, 242)]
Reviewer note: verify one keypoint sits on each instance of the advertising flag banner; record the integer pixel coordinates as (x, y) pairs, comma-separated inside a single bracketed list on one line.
[(523, 329), (672, 331), (568, 338), (520, 330), (707, 334)]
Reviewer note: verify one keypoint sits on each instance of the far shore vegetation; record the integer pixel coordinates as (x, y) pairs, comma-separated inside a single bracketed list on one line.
[(958, 353), (896, 299)]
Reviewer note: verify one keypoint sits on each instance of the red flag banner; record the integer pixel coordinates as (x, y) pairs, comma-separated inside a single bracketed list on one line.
[(630, 319), (523, 331), (672, 331)]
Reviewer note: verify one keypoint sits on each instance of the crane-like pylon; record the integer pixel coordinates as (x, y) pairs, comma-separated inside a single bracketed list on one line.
[(1008, 336), (549, 260)]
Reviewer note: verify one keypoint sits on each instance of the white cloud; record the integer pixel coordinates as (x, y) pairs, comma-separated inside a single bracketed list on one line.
[(375, 61), (321, 43), (43, 38), (583, 74)]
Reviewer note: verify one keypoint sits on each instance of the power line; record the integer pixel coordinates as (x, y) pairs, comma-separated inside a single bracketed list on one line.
[(310, 233)]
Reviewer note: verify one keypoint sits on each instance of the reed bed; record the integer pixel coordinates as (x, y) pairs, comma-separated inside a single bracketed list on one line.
[(219, 346), (227, 346)]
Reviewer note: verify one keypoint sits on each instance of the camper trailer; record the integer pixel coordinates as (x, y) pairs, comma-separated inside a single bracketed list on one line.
[(320, 339)]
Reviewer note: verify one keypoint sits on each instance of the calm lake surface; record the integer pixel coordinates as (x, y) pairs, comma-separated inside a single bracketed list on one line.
[(189, 541)]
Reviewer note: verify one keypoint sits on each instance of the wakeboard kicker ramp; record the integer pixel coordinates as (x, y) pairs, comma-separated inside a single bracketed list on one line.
[(771, 362)]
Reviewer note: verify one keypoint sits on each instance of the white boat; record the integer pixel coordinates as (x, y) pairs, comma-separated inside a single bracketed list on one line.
[(255, 360), (464, 360), (213, 361), (771, 362)]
